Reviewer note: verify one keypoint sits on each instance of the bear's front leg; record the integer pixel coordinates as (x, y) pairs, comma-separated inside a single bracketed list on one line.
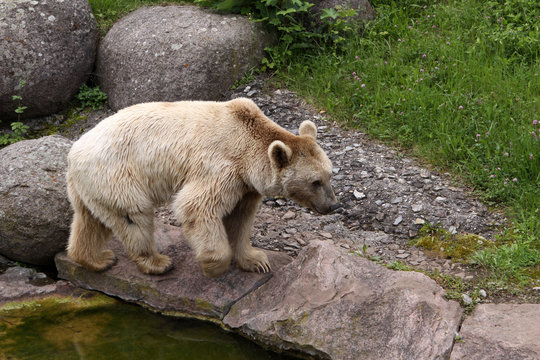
[(208, 239), (239, 224), (201, 208)]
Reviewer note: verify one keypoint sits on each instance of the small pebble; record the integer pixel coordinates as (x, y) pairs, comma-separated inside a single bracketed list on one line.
[(424, 173), (417, 207), (326, 234), (398, 220), (359, 195), (466, 299), (482, 293), (289, 215)]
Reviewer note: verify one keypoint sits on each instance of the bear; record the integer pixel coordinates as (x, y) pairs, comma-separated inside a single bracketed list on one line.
[(214, 160)]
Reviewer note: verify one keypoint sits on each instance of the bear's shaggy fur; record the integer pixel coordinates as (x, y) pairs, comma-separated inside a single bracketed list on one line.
[(215, 160)]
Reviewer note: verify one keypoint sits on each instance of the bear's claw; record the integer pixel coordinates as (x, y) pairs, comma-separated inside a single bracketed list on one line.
[(263, 268), (255, 261)]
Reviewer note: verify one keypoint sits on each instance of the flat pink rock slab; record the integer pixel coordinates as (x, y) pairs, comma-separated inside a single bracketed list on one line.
[(500, 331), (183, 290)]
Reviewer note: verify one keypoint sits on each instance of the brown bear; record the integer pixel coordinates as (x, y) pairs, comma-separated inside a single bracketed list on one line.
[(215, 160)]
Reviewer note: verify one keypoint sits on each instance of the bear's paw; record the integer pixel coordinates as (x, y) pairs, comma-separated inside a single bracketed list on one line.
[(254, 261), (154, 264)]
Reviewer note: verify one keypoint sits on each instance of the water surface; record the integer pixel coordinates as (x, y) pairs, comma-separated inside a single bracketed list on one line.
[(99, 327)]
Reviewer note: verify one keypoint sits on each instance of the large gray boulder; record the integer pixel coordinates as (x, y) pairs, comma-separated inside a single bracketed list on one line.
[(35, 213), (500, 331), (176, 53), (330, 303), (50, 45)]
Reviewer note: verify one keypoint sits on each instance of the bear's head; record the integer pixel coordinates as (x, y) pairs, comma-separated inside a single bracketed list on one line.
[(303, 171)]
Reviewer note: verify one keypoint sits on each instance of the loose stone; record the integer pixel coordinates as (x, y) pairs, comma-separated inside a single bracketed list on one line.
[(417, 207), (403, 256), (289, 215), (466, 299), (419, 221), (398, 220), (359, 195), (325, 234), (482, 293), (424, 173)]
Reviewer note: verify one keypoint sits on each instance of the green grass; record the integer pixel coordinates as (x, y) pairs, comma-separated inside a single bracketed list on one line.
[(458, 84)]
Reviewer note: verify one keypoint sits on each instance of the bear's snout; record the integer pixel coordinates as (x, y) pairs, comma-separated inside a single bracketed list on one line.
[(327, 209), (335, 206)]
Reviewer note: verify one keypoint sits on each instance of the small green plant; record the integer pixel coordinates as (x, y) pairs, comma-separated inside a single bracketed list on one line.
[(18, 129), (91, 97), (248, 77), (399, 265)]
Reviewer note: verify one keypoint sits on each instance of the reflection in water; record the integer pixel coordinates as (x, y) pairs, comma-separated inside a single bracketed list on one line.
[(100, 327)]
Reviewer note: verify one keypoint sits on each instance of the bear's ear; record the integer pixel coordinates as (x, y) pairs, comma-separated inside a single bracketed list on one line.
[(308, 128), (279, 154)]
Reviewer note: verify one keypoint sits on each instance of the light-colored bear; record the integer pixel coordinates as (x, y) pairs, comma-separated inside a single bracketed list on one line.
[(214, 159)]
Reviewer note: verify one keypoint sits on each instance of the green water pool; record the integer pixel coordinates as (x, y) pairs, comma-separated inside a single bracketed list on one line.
[(100, 327)]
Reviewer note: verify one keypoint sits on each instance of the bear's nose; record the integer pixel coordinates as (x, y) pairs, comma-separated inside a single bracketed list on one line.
[(335, 206)]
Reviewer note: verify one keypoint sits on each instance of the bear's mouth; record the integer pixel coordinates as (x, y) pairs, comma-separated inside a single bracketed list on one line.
[(327, 210), (314, 207)]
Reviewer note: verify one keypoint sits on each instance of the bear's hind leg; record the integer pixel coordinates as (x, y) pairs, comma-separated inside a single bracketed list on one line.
[(239, 224), (87, 237), (136, 231)]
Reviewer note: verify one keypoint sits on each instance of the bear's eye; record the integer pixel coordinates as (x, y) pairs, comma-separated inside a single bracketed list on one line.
[(316, 183)]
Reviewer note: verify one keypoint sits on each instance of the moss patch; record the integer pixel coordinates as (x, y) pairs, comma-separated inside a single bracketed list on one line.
[(458, 246)]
